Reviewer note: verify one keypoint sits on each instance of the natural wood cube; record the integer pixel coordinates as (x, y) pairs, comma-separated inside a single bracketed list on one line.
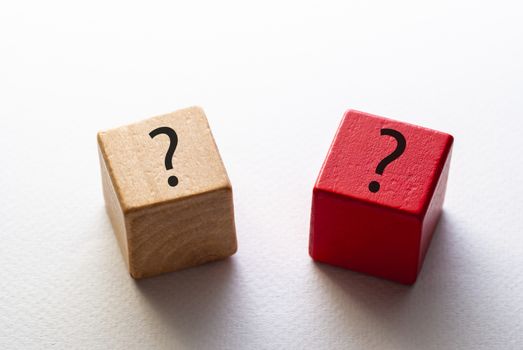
[(167, 193)]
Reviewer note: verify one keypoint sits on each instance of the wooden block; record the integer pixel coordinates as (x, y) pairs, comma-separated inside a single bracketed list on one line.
[(167, 218)]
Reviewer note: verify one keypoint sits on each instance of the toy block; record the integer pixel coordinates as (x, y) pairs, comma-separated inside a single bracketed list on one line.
[(167, 193), (379, 195)]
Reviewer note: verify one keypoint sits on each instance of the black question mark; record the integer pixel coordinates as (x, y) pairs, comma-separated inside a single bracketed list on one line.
[(173, 180), (374, 186)]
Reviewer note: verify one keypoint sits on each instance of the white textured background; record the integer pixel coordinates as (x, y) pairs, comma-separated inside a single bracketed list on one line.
[(274, 79)]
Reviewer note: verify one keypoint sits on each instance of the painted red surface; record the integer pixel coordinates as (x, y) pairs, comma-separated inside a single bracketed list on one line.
[(385, 233)]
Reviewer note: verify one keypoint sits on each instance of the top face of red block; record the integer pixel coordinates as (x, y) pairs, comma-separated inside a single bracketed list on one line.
[(407, 182)]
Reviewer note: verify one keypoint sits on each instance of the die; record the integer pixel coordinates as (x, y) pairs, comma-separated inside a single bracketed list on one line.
[(167, 193), (379, 196)]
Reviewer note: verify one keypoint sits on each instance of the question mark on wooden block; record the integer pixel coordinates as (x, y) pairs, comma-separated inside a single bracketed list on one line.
[(374, 186), (173, 180)]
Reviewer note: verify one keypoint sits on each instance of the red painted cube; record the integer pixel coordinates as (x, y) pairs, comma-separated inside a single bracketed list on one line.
[(379, 196)]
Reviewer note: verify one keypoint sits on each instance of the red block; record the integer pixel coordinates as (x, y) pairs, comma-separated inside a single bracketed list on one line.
[(379, 196)]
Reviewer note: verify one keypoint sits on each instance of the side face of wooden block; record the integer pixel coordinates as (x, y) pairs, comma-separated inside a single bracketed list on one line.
[(163, 226), (114, 210), (181, 234)]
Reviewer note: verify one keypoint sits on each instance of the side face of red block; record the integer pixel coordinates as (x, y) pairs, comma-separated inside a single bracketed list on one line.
[(383, 229)]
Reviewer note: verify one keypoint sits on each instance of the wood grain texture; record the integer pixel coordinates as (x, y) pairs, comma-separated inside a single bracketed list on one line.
[(161, 228)]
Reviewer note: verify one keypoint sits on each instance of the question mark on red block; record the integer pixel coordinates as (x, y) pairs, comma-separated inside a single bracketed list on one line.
[(374, 186)]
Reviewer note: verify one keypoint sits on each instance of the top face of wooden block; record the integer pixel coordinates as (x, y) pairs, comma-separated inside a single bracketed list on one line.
[(406, 182), (136, 161)]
